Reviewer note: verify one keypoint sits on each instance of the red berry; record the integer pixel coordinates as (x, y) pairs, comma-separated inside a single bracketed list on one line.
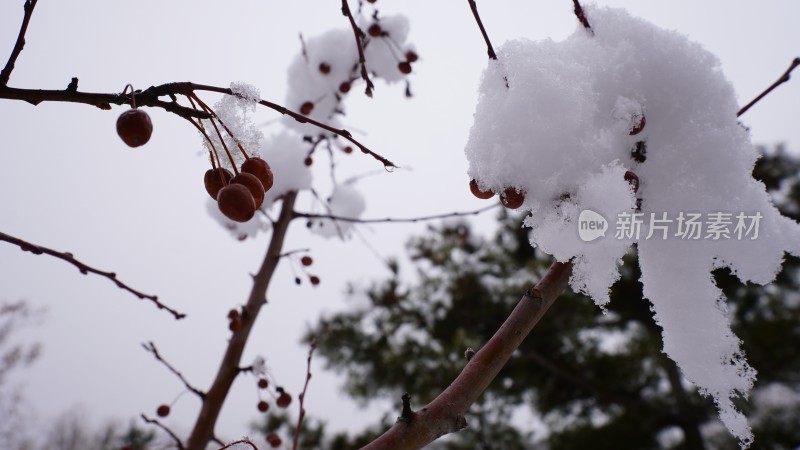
[(325, 68), (348, 149), (236, 202), (216, 179), (251, 183), (263, 383), (404, 67), (477, 192), (262, 171), (344, 88), (274, 440), (284, 400), (633, 179), (134, 127), (374, 30), (371, 1), (306, 108), (263, 406), (235, 325), (638, 126), (411, 56), (308, 161), (306, 260), (233, 314), (314, 280), (163, 411), (511, 198)]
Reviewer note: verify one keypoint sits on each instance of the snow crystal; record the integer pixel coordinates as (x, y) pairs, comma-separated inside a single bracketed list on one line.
[(286, 153), (559, 121), (345, 202), (236, 113)]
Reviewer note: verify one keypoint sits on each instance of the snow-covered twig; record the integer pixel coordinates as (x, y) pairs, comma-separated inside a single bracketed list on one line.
[(12, 59), (393, 220), (359, 34), (302, 397), (783, 79), (151, 347), (445, 414), (86, 269)]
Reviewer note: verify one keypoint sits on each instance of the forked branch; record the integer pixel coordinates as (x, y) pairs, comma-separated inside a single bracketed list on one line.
[(359, 34)]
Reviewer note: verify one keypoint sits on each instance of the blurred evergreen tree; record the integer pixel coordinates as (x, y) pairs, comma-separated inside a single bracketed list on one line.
[(590, 379)]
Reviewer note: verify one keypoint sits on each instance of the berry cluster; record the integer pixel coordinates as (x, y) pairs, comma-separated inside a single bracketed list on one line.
[(240, 195), (511, 198)]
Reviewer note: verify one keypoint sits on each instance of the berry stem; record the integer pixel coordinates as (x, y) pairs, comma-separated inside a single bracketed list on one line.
[(225, 127), (216, 128)]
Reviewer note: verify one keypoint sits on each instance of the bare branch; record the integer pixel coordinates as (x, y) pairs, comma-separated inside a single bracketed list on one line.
[(783, 79), (490, 49), (445, 414), (229, 368), (303, 396), (151, 348), (581, 16), (359, 34), (393, 220), (166, 429), (86, 269), (20, 44), (240, 441)]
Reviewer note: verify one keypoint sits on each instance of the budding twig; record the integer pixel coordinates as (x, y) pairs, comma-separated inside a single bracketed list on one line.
[(18, 46), (86, 269), (359, 34), (783, 79), (151, 348)]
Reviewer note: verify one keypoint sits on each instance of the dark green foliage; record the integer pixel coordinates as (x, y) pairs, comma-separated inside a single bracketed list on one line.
[(596, 380)]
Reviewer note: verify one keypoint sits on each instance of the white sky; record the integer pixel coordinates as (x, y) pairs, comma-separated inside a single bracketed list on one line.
[(69, 182)]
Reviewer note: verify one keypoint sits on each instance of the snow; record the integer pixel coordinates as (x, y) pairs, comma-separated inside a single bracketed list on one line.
[(560, 131), (237, 114), (346, 202)]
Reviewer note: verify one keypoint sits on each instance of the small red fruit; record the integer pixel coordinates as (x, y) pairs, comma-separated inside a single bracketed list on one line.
[(236, 202), (274, 440), (263, 383), (261, 170), (306, 261), (374, 30), (404, 67), (306, 108), (216, 179), (344, 88), (162, 411), (308, 161), (638, 126), (284, 400), (251, 183), (325, 68), (371, 1), (411, 56), (633, 179), (314, 280), (477, 192), (134, 127), (233, 314), (511, 198), (263, 406), (348, 149)]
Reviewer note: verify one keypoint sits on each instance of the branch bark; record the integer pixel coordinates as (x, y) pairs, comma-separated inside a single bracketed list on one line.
[(203, 431), (445, 414)]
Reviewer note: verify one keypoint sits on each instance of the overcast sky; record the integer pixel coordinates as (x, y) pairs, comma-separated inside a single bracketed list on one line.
[(69, 183)]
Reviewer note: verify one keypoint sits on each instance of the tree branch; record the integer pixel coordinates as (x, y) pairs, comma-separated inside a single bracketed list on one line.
[(783, 79), (489, 49), (167, 430), (20, 44), (578, 10), (393, 220), (150, 347), (445, 414), (229, 368), (86, 269), (359, 34), (302, 397)]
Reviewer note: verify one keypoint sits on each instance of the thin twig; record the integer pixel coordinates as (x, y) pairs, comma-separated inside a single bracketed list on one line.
[(359, 34), (166, 429), (20, 44), (240, 441), (393, 220), (150, 347), (445, 414), (490, 49), (86, 269), (302, 397), (581, 16), (783, 79)]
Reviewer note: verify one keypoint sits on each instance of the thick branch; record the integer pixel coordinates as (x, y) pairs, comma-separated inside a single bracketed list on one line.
[(20, 44), (150, 347), (229, 368), (394, 220), (85, 269), (445, 414), (362, 61), (783, 79)]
